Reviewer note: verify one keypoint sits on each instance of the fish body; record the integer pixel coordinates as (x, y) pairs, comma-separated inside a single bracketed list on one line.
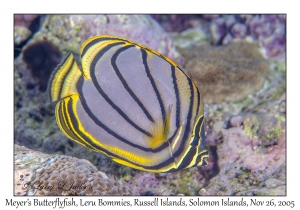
[(132, 104)]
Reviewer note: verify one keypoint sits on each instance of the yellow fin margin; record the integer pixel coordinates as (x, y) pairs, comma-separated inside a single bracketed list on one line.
[(88, 51), (64, 78)]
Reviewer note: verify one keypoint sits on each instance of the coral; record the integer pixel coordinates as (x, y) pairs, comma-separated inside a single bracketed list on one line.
[(70, 31), (268, 30), (41, 58), (39, 174), (236, 121), (35, 125), (185, 182), (24, 20), (34, 117), (189, 38), (24, 28), (226, 73), (250, 142), (250, 149), (63, 175), (266, 125), (174, 22), (250, 130), (21, 34), (25, 160), (275, 191), (244, 165), (144, 183)]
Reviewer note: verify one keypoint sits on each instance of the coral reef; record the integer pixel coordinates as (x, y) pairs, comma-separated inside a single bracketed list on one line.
[(41, 58), (70, 31), (35, 125), (24, 20), (246, 138), (190, 38), (250, 149), (21, 33), (146, 184), (185, 182), (24, 28), (226, 73), (72, 176), (268, 30), (40, 174), (25, 160), (244, 165), (174, 23)]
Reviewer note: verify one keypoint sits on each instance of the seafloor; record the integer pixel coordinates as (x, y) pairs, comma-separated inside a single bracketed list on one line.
[(238, 63)]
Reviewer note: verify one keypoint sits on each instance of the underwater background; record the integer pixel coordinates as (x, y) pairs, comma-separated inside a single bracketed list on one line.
[(237, 62)]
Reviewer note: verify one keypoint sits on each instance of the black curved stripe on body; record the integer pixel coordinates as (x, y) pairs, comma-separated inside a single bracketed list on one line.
[(106, 128), (63, 122), (100, 124), (198, 106), (198, 126), (62, 79), (104, 95), (200, 156), (94, 146), (68, 112), (125, 84), (92, 43), (177, 117), (145, 62), (196, 132), (188, 158), (89, 143), (187, 130), (198, 102)]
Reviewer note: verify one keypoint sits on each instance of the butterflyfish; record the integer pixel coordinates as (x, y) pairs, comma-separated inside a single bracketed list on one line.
[(131, 103)]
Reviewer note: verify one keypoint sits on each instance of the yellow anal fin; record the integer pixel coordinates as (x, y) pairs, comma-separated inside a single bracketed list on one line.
[(65, 119), (63, 80), (160, 130)]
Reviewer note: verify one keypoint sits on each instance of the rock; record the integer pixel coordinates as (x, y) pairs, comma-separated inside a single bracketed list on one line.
[(70, 31), (40, 174), (21, 33), (227, 73)]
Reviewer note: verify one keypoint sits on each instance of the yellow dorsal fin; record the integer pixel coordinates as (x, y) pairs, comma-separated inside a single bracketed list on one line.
[(160, 130), (92, 47), (64, 78)]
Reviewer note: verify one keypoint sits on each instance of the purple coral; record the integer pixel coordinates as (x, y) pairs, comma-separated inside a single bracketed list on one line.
[(174, 22), (268, 30), (145, 184), (24, 20)]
